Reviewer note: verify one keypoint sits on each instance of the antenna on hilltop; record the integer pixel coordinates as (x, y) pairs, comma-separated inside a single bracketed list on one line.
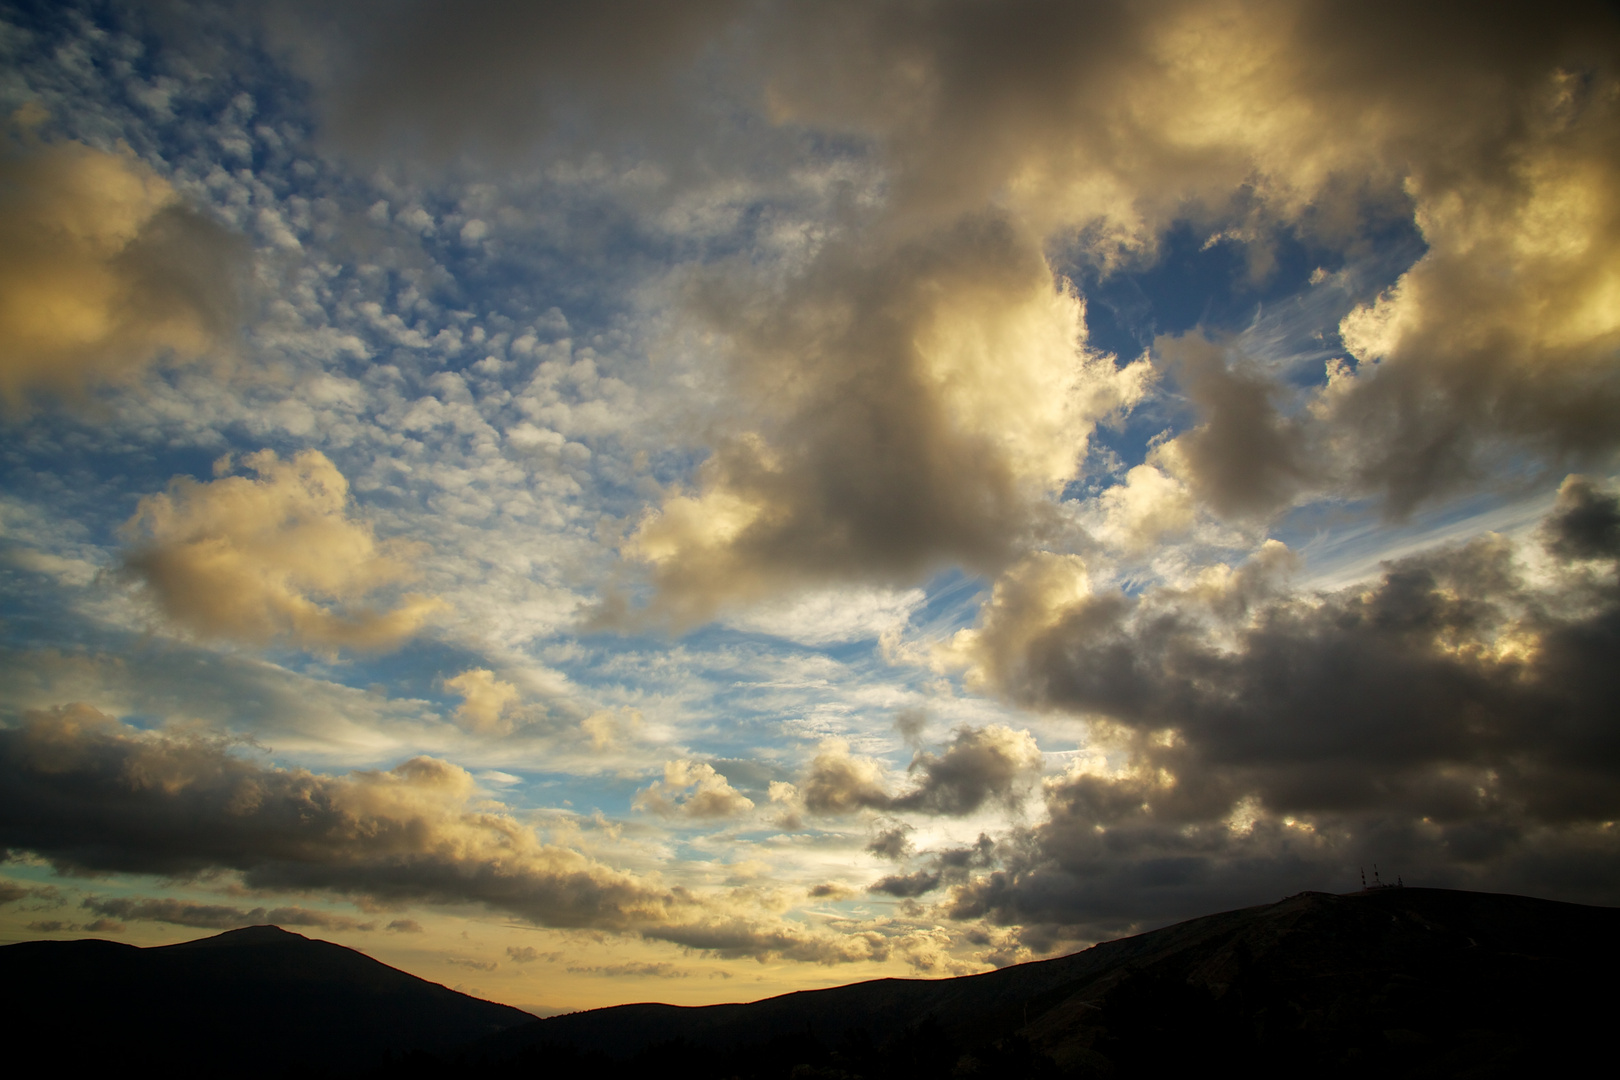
[(1363, 879)]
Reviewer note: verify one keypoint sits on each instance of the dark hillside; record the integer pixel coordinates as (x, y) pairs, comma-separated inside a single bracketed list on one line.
[(1402, 981), (256, 1001)]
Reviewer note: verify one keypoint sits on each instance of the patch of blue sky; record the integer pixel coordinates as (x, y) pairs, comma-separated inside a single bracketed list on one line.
[(1280, 318)]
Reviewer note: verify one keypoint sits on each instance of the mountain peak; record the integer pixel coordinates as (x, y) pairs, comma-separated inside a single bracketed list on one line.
[(246, 935)]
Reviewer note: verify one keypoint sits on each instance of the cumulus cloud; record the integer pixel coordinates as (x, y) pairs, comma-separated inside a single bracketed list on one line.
[(607, 729), (979, 766), (272, 557), (1148, 507), (1455, 714), (910, 408), (694, 790), (839, 782), (486, 701), (1002, 131), (1245, 457), (103, 271), (1112, 122)]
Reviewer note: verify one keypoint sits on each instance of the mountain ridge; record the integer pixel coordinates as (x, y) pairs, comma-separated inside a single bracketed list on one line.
[(1317, 976), (1412, 982)]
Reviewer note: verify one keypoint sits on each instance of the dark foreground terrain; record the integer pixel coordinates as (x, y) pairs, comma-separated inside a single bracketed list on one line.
[(1403, 982), (253, 1002)]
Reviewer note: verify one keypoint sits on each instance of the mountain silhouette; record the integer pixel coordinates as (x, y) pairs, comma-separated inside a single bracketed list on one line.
[(252, 1002), (1403, 982), (1390, 982)]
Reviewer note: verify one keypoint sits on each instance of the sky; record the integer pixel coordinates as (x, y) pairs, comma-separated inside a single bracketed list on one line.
[(618, 501)]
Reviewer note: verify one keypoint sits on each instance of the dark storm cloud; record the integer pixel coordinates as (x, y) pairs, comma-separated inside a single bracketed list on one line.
[(1585, 522), (1457, 717)]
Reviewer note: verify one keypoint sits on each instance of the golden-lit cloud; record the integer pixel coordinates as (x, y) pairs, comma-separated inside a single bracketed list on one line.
[(1509, 325), (692, 789), (1148, 507), (1105, 124), (486, 701), (103, 271), (914, 408), (272, 557)]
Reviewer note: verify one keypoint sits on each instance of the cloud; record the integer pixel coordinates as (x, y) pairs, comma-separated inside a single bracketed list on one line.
[(608, 729), (830, 890), (997, 133), (909, 408), (709, 797), (94, 795), (439, 79), (979, 766), (1454, 714), (909, 724), (485, 701), (658, 970), (274, 557), (826, 617), (528, 954), (839, 782), (891, 840), (1245, 458), (1148, 507), (103, 272), (1099, 126), (1585, 522), (950, 866), (217, 916)]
